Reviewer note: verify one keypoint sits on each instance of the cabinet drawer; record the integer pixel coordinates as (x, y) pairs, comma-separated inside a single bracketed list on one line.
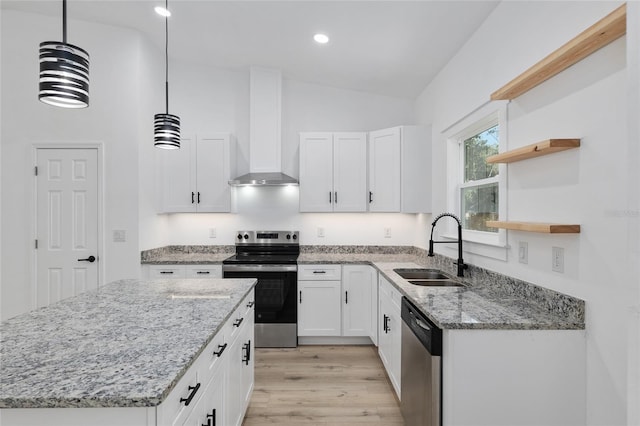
[(166, 271), (388, 290), (204, 271), (240, 317), (319, 272), (185, 396)]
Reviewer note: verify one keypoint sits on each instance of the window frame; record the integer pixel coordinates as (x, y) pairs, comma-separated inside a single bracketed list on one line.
[(489, 244)]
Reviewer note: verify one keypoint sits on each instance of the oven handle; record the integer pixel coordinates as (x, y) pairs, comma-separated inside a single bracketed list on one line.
[(259, 268)]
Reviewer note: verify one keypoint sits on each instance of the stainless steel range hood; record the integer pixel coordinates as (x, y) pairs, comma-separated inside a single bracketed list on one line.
[(263, 179), (265, 135)]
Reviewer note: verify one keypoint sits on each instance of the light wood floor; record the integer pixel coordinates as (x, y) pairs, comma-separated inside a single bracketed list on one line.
[(322, 385)]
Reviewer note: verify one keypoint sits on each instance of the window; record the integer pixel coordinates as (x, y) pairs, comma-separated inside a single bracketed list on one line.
[(479, 192), (476, 190)]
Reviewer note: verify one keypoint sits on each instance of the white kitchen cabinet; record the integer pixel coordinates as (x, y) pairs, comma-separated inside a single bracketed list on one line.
[(400, 170), (333, 172), (513, 377), (195, 177), (241, 363), (337, 300), (390, 331), (181, 271), (359, 296)]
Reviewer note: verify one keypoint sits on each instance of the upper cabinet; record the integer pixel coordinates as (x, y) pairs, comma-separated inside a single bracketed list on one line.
[(400, 170), (195, 177), (333, 172)]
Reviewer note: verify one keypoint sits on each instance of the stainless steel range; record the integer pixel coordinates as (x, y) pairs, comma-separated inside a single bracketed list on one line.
[(271, 257)]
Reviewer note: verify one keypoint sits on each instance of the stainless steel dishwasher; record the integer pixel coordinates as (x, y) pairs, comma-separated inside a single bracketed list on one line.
[(421, 378)]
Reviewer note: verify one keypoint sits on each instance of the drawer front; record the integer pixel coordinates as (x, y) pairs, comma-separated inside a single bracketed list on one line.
[(388, 290), (204, 271), (166, 271), (319, 272), (185, 396)]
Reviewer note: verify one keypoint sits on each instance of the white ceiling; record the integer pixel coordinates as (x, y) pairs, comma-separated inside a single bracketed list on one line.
[(388, 47)]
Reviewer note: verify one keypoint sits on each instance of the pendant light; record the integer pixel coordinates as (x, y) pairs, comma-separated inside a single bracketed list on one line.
[(64, 71), (166, 127)]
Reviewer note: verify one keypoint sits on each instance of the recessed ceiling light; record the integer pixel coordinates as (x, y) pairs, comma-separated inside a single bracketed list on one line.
[(321, 38), (162, 11)]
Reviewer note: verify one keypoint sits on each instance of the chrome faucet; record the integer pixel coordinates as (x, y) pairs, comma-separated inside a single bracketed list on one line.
[(460, 262)]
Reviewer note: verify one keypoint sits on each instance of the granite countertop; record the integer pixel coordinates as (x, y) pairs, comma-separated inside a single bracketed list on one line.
[(187, 259), (124, 345)]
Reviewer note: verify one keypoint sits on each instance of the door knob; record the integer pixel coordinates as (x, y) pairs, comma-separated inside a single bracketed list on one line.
[(89, 259)]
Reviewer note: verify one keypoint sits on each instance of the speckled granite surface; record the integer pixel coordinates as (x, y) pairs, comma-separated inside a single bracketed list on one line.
[(125, 345), (488, 301), (187, 255)]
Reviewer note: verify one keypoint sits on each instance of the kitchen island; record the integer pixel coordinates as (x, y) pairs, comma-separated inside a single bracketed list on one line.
[(120, 350)]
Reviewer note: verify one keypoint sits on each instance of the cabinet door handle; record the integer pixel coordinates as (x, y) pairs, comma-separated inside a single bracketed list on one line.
[(247, 352), (346, 297), (203, 272), (300, 296), (198, 197), (211, 418), (329, 197), (166, 272), (238, 322), (221, 349), (335, 197), (370, 197), (193, 197), (384, 323), (194, 390)]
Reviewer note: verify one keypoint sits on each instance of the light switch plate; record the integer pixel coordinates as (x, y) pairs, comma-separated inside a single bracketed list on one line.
[(523, 252), (557, 259)]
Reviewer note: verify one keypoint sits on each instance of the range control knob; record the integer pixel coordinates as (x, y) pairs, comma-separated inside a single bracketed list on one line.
[(246, 236), (288, 236), (295, 237), (239, 236)]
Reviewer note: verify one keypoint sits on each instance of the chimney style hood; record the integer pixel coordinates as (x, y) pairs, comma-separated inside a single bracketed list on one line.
[(265, 134)]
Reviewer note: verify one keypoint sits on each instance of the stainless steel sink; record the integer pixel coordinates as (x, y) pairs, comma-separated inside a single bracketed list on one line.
[(436, 283), (421, 274)]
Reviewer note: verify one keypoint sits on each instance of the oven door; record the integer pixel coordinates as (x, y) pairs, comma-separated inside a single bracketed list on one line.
[(276, 308)]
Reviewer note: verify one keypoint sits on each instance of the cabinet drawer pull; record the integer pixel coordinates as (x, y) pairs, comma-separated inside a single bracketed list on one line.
[(319, 272), (221, 349), (246, 357), (203, 272), (166, 272), (194, 390), (250, 304), (238, 322)]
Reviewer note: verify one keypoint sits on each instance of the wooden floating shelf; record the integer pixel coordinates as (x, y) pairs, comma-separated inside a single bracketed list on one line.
[(603, 32), (538, 149), (545, 228)]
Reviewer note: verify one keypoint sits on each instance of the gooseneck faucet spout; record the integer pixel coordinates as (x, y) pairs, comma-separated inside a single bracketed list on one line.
[(460, 262)]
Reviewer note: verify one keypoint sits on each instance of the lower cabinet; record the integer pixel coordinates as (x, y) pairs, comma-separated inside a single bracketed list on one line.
[(337, 300), (181, 271), (390, 331)]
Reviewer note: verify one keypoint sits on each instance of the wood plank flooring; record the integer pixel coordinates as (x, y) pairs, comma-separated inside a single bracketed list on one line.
[(321, 385)]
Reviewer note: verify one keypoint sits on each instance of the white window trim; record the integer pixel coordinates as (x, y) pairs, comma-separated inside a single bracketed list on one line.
[(476, 242)]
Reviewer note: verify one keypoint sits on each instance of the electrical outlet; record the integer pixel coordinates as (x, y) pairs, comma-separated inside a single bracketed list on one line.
[(212, 233), (523, 252), (119, 236), (387, 232), (557, 259), (320, 232)]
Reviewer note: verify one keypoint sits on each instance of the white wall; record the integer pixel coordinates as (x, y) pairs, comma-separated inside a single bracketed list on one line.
[(214, 100), (111, 119), (589, 186)]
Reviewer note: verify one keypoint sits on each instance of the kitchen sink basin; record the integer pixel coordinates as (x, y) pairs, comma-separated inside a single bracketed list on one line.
[(436, 283), (421, 274)]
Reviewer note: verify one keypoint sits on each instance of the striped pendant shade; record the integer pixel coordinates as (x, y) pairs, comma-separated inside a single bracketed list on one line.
[(166, 127), (166, 131), (64, 71)]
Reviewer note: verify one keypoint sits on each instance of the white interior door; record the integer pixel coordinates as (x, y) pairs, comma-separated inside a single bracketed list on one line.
[(66, 223)]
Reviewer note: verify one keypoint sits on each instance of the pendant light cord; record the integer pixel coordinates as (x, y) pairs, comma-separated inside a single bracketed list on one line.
[(64, 21), (166, 58)]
